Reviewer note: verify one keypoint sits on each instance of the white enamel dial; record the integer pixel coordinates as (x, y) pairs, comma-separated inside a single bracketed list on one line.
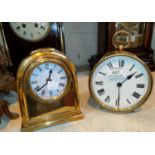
[(31, 31), (120, 82), (48, 80)]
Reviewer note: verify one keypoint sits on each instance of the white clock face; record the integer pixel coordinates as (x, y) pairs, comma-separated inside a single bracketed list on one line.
[(120, 82), (31, 31), (48, 80)]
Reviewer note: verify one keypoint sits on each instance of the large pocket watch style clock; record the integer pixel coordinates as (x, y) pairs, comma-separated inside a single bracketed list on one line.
[(48, 90), (120, 81)]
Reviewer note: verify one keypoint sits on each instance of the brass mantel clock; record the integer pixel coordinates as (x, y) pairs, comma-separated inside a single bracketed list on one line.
[(48, 90), (120, 81)]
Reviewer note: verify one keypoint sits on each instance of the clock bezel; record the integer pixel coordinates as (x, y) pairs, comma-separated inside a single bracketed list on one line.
[(32, 41), (37, 63), (133, 107)]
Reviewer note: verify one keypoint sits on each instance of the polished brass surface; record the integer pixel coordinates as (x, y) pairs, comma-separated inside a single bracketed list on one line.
[(131, 108), (38, 112)]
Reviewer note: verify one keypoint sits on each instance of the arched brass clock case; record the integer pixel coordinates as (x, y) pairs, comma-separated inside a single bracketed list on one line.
[(38, 112)]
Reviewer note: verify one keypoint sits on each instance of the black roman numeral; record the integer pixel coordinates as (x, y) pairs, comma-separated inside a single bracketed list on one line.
[(42, 27), (60, 71), (58, 90), (24, 33), (36, 88), (43, 92), (99, 82), (63, 77), (136, 95), (51, 93), (33, 82), (132, 67), (61, 84), (110, 65), (102, 73), (100, 92), (47, 66), (139, 75), (35, 75), (18, 28), (39, 68), (117, 103), (31, 35), (140, 85), (128, 101), (121, 63), (54, 66), (107, 99)]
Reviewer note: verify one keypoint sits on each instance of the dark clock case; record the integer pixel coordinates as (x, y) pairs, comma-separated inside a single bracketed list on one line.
[(142, 47), (20, 48)]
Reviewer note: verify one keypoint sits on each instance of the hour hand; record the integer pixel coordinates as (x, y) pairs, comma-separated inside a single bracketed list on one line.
[(129, 77), (50, 72)]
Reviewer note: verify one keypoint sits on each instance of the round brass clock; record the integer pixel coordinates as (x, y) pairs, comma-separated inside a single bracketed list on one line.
[(47, 89), (120, 81)]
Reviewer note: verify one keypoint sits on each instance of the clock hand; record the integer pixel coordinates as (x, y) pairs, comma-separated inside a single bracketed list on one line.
[(119, 85), (50, 72), (118, 101), (43, 85), (129, 77), (48, 79)]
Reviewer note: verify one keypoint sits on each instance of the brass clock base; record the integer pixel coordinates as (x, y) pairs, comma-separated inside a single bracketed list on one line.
[(50, 121)]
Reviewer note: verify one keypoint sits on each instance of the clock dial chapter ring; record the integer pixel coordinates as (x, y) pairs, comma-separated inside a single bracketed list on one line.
[(48, 84), (120, 86)]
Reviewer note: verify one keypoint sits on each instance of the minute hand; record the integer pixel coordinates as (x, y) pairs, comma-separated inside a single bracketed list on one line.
[(129, 77), (42, 86)]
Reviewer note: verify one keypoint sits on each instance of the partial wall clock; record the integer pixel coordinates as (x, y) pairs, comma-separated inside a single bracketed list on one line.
[(23, 37), (48, 90), (120, 81), (31, 32)]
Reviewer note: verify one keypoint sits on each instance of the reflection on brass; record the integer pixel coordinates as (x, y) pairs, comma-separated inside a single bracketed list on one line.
[(38, 112), (136, 30)]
